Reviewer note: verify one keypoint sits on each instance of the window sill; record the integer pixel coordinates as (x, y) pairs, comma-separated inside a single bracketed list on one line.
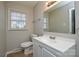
[(18, 30)]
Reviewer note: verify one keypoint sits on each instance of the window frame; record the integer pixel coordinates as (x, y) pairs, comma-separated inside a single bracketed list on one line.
[(9, 21)]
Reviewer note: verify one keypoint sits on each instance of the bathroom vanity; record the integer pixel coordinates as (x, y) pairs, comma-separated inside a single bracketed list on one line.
[(57, 18), (44, 46)]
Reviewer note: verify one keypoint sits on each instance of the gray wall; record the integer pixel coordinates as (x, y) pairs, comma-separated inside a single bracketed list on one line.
[(59, 19), (15, 38), (38, 14), (2, 30)]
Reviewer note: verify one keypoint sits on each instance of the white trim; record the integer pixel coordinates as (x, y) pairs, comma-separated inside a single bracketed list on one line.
[(70, 20), (13, 51)]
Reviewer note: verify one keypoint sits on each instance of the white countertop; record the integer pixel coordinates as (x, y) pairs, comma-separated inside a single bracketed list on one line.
[(60, 43)]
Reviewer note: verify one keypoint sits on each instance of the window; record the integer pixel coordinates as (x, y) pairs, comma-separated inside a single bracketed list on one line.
[(17, 20), (45, 24)]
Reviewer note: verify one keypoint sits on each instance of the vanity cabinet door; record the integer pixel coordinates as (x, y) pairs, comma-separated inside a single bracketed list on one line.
[(43, 52), (46, 53)]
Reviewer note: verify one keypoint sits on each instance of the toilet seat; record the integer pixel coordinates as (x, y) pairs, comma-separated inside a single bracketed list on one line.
[(26, 44)]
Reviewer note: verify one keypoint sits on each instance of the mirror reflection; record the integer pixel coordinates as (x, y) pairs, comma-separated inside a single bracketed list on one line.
[(60, 20)]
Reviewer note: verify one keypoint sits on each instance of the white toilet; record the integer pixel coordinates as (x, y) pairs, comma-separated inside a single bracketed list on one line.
[(27, 46)]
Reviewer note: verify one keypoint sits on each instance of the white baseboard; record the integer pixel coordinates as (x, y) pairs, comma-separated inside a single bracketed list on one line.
[(13, 51)]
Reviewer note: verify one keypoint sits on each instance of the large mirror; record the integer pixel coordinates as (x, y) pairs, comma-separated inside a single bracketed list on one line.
[(60, 20)]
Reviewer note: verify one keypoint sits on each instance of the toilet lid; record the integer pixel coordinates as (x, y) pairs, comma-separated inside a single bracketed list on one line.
[(26, 44)]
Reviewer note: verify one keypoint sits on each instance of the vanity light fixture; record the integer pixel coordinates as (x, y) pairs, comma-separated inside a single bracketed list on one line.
[(49, 3)]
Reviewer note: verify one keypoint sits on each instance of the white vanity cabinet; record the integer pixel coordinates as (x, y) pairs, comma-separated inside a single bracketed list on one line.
[(39, 50), (47, 48), (42, 50)]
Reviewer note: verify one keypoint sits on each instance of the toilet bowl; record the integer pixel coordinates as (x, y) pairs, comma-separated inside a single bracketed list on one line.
[(27, 46)]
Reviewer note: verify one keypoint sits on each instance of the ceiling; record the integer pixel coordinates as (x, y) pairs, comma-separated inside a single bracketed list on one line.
[(27, 3)]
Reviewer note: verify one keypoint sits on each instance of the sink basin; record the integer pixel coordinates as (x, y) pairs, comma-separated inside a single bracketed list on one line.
[(59, 43)]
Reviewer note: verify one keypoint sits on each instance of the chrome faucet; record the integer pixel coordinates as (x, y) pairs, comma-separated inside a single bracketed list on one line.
[(52, 37)]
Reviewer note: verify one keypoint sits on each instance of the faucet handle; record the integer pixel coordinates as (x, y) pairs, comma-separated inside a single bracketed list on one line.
[(52, 37)]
